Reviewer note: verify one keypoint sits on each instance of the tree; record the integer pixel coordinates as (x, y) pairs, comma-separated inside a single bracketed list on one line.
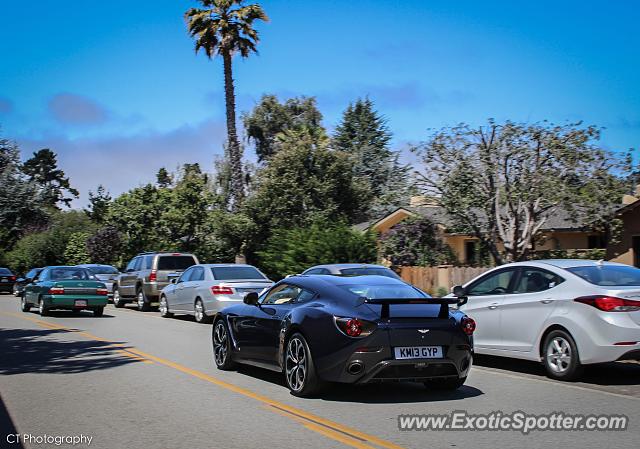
[(502, 182), (104, 246), (21, 204), (99, 203), (226, 28), (293, 250), (163, 178), (304, 182), (76, 251), (365, 136), (43, 170), (270, 118), (415, 242)]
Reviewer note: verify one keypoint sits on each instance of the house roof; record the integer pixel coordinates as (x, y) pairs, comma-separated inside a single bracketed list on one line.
[(559, 221)]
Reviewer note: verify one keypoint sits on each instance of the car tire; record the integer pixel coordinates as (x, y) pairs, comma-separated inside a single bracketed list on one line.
[(164, 307), (98, 312), (141, 301), (221, 344), (560, 356), (446, 384), (42, 309), (117, 299), (16, 290), (299, 368), (24, 305), (199, 312)]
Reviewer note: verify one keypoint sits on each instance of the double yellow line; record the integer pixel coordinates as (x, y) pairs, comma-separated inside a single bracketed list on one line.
[(330, 429)]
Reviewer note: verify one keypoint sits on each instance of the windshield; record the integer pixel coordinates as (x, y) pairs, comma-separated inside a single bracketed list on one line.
[(368, 271), (5, 271), (59, 274), (103, 269), (388, 291), (608, 275), (175, 262), (233, 273)]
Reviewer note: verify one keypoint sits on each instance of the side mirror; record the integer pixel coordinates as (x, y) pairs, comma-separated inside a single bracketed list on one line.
[(174, 280), (458, 291), (28, 280), (251, 299)]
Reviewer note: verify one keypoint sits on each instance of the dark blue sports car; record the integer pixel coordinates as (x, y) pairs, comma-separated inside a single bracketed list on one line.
[(319, 329)]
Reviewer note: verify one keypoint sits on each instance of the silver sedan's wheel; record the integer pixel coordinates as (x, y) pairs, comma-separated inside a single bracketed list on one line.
[(296, 364), (559, 355), (199, 312), (164, 308), (222, 346)]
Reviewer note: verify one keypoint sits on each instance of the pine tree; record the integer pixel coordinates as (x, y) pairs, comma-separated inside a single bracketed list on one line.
[(43, 170), (99, 203)]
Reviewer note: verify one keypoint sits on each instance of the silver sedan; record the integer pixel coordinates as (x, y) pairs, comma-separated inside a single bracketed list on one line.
[(204, 289)]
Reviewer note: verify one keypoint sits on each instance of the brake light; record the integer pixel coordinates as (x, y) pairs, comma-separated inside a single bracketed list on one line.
[(56, 291), (610, 303), (353, 327), (221, 290), (102, 291), (468, 325), (153, 276), (12, 278)]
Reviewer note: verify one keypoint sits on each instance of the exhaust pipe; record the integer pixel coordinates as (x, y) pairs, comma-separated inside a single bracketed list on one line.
[(355, 368)]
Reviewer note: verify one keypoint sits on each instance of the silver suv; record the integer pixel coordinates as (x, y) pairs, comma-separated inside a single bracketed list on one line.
[(146, 275)]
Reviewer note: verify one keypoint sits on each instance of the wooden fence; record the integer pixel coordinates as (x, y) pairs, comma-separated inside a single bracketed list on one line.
[(433, 279)]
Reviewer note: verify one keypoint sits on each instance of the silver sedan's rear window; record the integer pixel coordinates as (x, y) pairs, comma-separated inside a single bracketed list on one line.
[(608, 275), (233, 273)]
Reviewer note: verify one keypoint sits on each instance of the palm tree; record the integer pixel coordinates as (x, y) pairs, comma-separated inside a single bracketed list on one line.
[(225, 27)]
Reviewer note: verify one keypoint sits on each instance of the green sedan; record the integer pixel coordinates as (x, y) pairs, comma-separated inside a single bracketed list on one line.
[(67, 288)]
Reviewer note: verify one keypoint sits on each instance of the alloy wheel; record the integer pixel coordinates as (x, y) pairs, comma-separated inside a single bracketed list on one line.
[(140, 300), (116, 297), (559, 355), (296, 364), (198, 311), (163, 306), (220, 344)]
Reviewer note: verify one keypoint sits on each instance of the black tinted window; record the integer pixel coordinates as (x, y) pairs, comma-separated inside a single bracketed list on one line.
[(608, 275), (536, 280), (233, 273), (59, 274), (367, 271), (103, 269), (175, 262)]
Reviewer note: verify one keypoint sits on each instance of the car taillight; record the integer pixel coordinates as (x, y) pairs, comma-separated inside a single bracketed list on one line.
[(610, 303), (12, 278), (153, 276), (354, 327), (56, 291), (102, 291), (468, 325), (221, 290)]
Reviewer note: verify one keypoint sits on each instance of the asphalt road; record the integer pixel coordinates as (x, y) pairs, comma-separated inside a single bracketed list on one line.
[(135, 380)]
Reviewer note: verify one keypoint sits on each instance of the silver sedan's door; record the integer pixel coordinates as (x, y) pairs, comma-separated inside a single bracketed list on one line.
[(191, 290), (180, 296)]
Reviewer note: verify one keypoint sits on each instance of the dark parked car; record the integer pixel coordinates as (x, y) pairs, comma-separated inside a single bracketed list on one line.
[(7, 279), (18, 287), (146, 275), (316, 329), (67, 288)]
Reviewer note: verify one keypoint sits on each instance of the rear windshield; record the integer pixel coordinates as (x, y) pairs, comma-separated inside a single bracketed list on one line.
[(59, 274), (5, 271), (367, 271), (608, 275), (232, 273), (385, 291), (175, 262), (106, 269)]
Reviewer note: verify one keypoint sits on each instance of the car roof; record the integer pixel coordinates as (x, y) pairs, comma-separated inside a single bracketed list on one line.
[(63, 266), (347, 265), (327, 279), (222, 265), (86, 265), (565, 263)]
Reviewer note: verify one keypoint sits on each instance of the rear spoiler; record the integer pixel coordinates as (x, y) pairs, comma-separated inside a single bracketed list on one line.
[(386, 302)]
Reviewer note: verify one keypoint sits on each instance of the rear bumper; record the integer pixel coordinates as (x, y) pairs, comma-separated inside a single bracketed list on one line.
[(6, 287), (69, 301)]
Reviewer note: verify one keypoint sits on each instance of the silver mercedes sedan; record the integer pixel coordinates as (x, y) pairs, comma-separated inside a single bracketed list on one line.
[(204, 289)]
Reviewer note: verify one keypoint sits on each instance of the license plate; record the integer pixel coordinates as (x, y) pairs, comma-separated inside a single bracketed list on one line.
[(81, 303), (5, 279), (418, 352)]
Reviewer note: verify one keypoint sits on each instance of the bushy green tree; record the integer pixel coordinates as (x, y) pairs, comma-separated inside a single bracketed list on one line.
[(42, 169), (415, 242), (104, 246), (270, 118), (99, 203), (294, 250), (76, 251), (363, 134)]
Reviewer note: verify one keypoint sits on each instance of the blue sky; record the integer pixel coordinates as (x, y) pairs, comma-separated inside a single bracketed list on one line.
[(117, 91)]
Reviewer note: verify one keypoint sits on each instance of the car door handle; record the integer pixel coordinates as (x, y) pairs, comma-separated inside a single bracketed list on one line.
[(493, 306), (546, 301)]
